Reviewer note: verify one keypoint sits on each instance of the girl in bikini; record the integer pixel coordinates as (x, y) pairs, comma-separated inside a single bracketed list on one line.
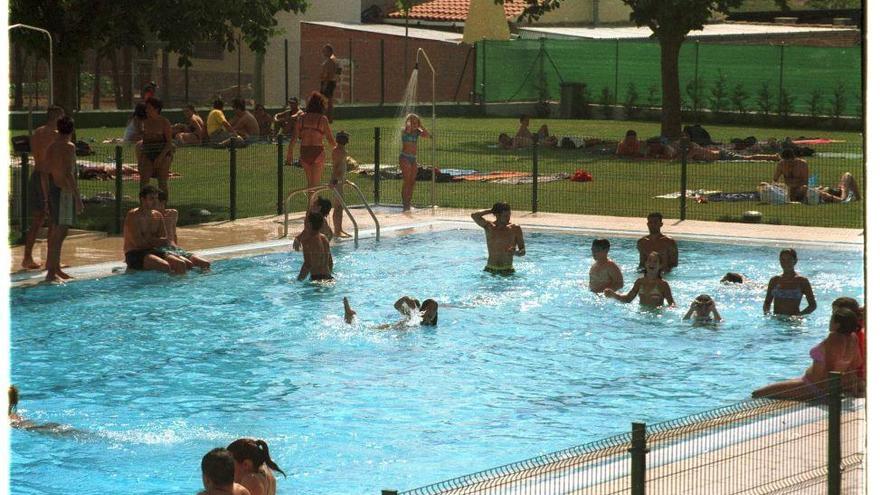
[(253, 466), (846, 191), (651, 288), (412, 131), (838, 352), (786, 291), (312, 128)]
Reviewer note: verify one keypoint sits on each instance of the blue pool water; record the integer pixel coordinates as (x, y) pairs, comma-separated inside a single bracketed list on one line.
[(155, 371)]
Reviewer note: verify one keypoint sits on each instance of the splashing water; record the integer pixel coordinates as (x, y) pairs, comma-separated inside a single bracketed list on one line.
[(410, 96)]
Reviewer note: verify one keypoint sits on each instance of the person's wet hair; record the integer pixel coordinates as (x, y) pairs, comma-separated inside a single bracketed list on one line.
[(601, 244), (65, 125), (789, 251), (140, 110), (53, 113), (218, 104), (317, 103), (430, 304), (846, 320), (238, 104), (788, 154), (342, 137), (163, 196), (500, 207), (656, 214), (257, 451), (13, 399), (324, 204), (155, 103), (732, 277), (703, 299), (218, 466), (847, 303), (630, 133), (316, 220), (148, 190)]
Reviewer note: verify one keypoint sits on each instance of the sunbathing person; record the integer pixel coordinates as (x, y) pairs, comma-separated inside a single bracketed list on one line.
[(700, 153), (838, 352), (218, 130), (244, 123), (522, 138), (703, 310), (604, 274), (786, 291), (317, 259), (545, 138), (846, 191), (264, 120), (630, 146), (656, 241), (795, 172), (143, 233), (503, 239), (170, 218), (192, 130), (651, 288)]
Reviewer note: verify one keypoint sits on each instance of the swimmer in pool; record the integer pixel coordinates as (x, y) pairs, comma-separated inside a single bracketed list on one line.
[(317, 259), (703, 310), (651, 289), (658, 242), (322, 206), (786, 291), (408, 307), (503, 239), (732, 278), (604, 274), (20, 423), (218, 474)]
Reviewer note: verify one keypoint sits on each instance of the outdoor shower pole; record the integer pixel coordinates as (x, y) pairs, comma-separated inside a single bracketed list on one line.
[(433, 121), (51, 70)]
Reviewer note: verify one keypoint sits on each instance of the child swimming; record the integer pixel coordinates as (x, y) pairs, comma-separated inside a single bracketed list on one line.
[(703, 310)]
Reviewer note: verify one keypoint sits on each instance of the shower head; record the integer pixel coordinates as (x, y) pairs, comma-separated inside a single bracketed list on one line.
[(417, 65)]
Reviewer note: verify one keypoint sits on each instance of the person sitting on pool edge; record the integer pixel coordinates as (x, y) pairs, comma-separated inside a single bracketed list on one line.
[(218, 474), (170, 216), (655, 241), (839, 351), (317, 259), (604, 274), (651, 288), (503, 239), (786, 291), (703, 310), (143, 233)]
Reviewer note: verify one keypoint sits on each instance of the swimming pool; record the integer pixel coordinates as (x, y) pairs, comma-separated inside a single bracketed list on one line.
[(518, 366)]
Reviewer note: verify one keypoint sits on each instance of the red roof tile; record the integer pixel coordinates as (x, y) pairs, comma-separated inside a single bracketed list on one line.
[(453, 10)]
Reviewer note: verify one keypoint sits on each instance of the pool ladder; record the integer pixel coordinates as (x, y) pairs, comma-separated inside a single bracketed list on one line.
[(323, 187)]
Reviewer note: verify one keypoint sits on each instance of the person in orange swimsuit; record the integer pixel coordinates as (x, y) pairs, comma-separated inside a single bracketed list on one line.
[(312, 129)]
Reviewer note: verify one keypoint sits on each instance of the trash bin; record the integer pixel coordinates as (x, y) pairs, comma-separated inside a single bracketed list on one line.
[(571, 100)]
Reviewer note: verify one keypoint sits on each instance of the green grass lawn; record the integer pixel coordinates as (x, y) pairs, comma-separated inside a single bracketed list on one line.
[(620, 187)]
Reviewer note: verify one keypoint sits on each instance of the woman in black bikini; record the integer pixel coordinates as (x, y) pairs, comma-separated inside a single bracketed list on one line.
[(158, 149), (312, 128)]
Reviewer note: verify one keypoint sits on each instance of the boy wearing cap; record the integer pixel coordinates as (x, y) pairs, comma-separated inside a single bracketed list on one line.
[(337, 180)]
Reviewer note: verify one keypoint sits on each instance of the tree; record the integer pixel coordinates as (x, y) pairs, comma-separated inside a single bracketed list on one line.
[(670, 21), (80, 25)]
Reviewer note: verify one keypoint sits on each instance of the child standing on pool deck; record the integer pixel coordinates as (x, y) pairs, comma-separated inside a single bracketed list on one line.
[(337, 180), (651, 289), (604, 274), (703, 310)]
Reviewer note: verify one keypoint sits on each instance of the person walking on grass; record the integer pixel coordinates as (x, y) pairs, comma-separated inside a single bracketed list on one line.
[(64, 199), (412, 131), (38, 183)]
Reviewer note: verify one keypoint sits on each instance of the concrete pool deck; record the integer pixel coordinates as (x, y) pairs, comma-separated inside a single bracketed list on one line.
[(90, 248)]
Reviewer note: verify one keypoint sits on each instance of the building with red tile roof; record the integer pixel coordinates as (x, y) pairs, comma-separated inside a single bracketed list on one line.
[(453, 11)]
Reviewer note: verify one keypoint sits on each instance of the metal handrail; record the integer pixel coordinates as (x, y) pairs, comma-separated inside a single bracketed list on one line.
[(322, 187)]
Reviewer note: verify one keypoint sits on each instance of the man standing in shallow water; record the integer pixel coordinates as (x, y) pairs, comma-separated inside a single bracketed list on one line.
[(656, 241), (503, 239)]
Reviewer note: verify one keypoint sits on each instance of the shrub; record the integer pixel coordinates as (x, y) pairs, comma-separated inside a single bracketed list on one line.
[(739, 98), (719, 93), (786, 103), (607, 100), (816, 108), (630, 103), (765, 100), (838, 101), (694, 90), (653, 92)]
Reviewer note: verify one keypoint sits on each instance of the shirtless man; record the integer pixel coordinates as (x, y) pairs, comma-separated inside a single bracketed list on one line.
[(284, 121), (604, 274), (192, 131), (170, 217), (656, 241), (143, 233), (64, 198), (38, 183), (322, 206), (503, 239), (329, 73), (795, 172), (244, 123), (218, 473), (317, 259), (523, 138)]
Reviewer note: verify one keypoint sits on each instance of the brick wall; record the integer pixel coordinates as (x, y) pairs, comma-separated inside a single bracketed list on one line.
[(451, 61)]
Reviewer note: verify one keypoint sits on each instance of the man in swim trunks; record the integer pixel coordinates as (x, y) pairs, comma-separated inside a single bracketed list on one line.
[(144, 233), (170, 216), (604, 274), (503, 239), (244, 123), (317, 259), (64, 198), (329, 74), (656, 241), (38, 184)]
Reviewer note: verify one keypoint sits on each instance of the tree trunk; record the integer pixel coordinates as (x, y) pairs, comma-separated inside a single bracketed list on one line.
[(127, 76), (18, 78), (117, 78), (66, 75), (96, 89), (671, 113)]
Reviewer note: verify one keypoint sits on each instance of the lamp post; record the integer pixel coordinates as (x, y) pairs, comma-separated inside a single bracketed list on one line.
[(51, 73)]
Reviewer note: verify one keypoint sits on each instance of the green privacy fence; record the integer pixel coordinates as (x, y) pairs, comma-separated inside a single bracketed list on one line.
[(777, 79)]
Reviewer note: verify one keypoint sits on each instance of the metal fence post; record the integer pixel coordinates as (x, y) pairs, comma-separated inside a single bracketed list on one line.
[(483, 74), (834, 413), (696, 96), (638, 454), (23, 194), (684, 147), (232, 179), (616, 67), (280, 178), (376, 139), (118, 220), (286, 73), (381, 72), (534, 173), (781, 66)]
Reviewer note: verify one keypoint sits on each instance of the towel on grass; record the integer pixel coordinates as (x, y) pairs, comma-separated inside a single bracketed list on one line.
[(527, 179), (489, 176), (734, 196), (107, 171), (688, 193)]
